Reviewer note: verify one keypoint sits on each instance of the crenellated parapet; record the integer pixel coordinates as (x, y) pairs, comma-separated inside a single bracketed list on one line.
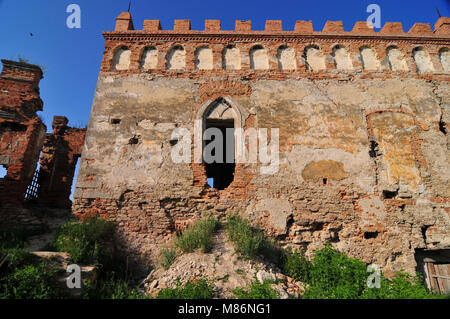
[(275, 52)]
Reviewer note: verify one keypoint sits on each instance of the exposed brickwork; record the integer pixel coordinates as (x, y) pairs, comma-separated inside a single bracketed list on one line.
[(362, 160), (22, 137), (60, 153), (21, 130)]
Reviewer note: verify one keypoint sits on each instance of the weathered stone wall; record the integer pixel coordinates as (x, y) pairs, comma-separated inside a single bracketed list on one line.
[(363, 151)]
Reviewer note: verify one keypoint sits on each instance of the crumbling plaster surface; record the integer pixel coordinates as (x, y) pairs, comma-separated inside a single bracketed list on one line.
[(127, 175)]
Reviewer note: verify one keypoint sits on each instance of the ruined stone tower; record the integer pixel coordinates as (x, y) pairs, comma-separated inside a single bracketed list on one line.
[(362, 129)]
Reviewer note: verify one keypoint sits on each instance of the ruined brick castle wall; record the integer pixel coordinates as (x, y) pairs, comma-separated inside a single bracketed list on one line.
[(362, 120), (60, 153), (23, 142), (21, 130)]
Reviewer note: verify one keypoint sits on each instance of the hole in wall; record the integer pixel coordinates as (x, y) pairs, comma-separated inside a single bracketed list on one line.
[(443, 127), (334, 236), (173, 142), (325, 181), (423, 230), (373, 149), (389, 194), (3, 171), (370, 234), (115, 121), (133, 141), (317, 226)]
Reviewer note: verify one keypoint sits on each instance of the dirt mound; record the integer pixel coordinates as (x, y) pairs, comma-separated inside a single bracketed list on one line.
[(225, 268)]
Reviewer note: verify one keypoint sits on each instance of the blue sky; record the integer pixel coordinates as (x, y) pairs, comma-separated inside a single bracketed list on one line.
[(72, 57)]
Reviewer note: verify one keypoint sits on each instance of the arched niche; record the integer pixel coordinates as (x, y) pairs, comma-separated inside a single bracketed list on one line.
[(315, 61), (369, 59), (258, 58), (341, 58), (286, 58), (422, 60), (121, 58), (203, 59), (176, 59), (149, 58)]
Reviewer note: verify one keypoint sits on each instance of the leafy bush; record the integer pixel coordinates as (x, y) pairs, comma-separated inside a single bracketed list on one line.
[(248, 240), (30, 282), (334, 275), (168, 256), (198, 289), (256, 290), (295, 265), (403, 286), (198, 236), (85, 240)]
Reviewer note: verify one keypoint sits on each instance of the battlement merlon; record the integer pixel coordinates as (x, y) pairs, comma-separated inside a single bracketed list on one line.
[(124, 25)]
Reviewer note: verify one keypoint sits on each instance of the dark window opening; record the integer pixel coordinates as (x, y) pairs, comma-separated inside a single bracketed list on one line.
[(370, 234), (3, 171), (115, 121), (220, 175), (325, 181)]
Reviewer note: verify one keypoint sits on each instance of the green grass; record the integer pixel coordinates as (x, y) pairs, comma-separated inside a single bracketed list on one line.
[(111, 287), (198, 289), (256, 290), (249, 241), (198, 236), (168, 256), (85, 240)]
